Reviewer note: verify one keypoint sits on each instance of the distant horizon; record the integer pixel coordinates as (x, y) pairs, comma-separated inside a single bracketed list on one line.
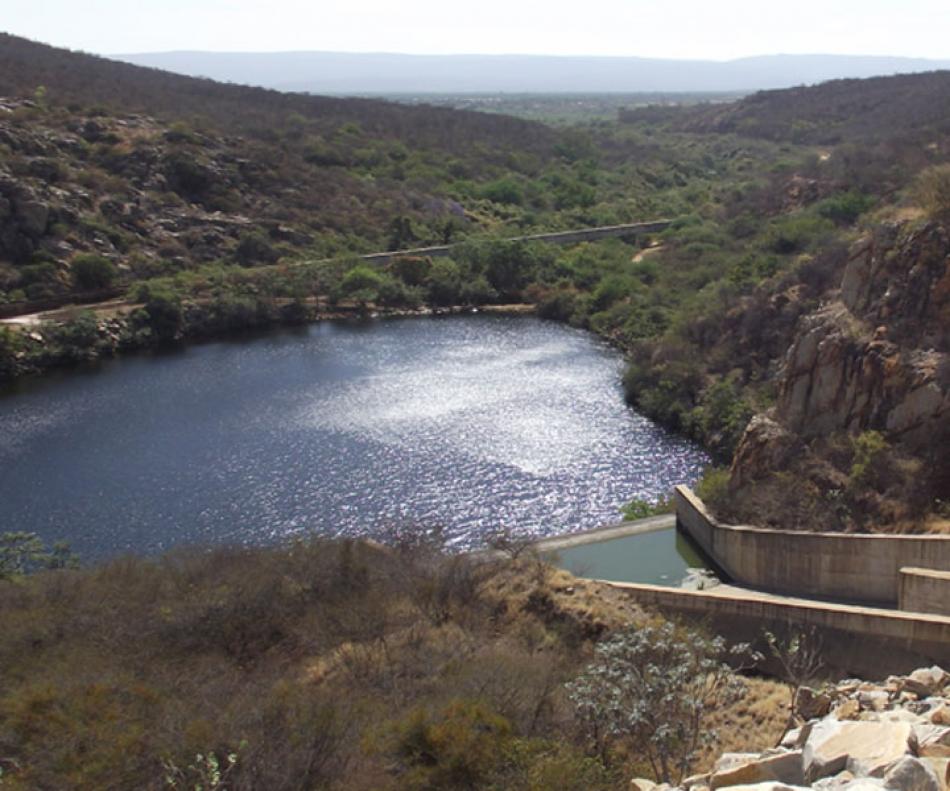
[(760, 55), (691, 30), (386, 73)]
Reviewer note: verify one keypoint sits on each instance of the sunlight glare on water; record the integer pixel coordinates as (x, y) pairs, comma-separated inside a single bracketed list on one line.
[(470, 423)]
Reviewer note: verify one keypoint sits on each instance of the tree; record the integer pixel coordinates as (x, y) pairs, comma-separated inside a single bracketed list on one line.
[(401, 233), (92, 271), (362, 283), (799, 655), (652, 688), (164, 315), (8, 352), (23, 553), (445, 282)]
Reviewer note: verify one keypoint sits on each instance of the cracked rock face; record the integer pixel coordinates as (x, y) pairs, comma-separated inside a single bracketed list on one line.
[(878, 356)]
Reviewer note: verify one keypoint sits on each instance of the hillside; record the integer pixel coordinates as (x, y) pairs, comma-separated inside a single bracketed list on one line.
[(159, 173), (73, 77), (839, 111), (322, 665)]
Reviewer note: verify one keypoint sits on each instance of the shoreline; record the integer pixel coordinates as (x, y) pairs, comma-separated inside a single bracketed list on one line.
[(117, 314)]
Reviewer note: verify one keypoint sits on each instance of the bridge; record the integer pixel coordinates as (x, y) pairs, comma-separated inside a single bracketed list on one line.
[(554, 237), (93, 299)]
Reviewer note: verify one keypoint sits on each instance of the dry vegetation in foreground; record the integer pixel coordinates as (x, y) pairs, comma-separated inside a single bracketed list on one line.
[(321, 665)]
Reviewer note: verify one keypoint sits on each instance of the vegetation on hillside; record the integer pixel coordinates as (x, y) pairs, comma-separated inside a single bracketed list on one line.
[(321, 665)]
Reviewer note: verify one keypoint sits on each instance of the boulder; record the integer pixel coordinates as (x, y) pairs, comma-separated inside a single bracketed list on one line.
[(862, 784), (941, 767), (642, 784), (935, 742), (927, 681), (864, 748), (848, 710), (911, 774), (784, 767), (833, 783), (941, 714), (768, 786), (792, 739), (731, 760), (873, 700), (810, 703), (765, 446)]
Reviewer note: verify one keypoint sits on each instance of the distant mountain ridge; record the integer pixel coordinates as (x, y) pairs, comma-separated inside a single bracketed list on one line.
[(369, 73)]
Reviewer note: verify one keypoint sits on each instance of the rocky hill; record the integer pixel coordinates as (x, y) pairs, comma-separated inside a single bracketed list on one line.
[(857, 736), (158, 172), (871, 362), (156, 198)]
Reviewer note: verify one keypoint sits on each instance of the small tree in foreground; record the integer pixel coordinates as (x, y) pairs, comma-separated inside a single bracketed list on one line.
[(799, 654), (651, 688)]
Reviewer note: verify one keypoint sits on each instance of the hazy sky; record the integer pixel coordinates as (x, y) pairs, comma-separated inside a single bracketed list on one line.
[(719, 29)]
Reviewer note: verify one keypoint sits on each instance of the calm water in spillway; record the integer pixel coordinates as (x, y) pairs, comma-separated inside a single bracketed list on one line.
[(469, 423)]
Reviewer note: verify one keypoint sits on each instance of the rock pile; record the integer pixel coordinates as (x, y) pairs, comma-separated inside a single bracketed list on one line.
[(861, 736)]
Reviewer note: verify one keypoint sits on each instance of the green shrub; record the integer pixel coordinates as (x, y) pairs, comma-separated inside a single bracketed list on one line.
[(412, 270), (24, 553), (846, 207), (362, 282), (503, 191), (92, 272), (723, 415), (713, 487), (559, 304), (477, 291), (9, 348), (444, 282), (164, 315), (869, 462), (643, 509), (255, 249), (795, 233)]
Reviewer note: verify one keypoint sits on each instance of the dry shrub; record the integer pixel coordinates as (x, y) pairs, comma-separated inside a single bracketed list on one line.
[(289, 659), (752, 724), (932, 191)]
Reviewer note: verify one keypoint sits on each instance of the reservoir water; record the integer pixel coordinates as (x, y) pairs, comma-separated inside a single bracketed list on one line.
[(342, 429)]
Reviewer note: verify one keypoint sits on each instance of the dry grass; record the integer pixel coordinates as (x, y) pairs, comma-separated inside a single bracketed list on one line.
[(755, 723), (305, 661), (938, 526)]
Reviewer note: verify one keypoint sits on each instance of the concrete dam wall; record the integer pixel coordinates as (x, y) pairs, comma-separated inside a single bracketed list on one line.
[(846, 567)]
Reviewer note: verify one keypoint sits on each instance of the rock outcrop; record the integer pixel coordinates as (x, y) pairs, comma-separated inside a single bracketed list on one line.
[(879, 357), (875, 355), (893, 735)]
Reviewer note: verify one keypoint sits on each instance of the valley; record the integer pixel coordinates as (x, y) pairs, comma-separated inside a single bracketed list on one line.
[(269, 438)]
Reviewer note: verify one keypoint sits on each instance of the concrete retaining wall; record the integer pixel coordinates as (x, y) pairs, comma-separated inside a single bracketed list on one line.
[(844, 567), (857, 641), (925, 590)]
